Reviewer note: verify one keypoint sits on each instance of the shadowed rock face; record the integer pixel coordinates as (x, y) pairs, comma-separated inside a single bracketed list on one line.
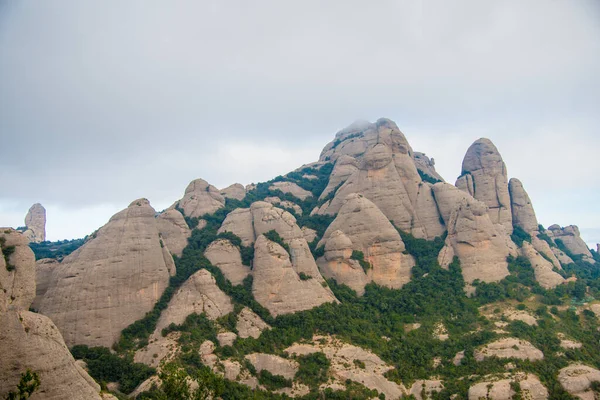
[(361, 226), (112, 280), (35, 221), (31, 341), (277, 285), (484, 177), (379, 163)]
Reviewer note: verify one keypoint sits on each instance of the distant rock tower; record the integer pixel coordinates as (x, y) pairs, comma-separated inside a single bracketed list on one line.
[(35, 221)]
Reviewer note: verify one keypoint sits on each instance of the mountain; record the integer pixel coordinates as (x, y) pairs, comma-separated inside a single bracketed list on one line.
[(362, 275)]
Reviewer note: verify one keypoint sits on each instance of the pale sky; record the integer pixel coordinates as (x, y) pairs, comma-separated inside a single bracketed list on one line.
[(104, 102)]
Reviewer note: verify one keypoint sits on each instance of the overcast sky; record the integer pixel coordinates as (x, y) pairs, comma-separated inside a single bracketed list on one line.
[(103, 102)]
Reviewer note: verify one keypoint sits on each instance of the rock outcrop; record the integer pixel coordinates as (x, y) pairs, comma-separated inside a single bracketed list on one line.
[(274, 364), (509, 348), (199, 294), (473, 238), (500, 388), (386, 174), (291, 188), (278, 287), (249, 324), (361, 226), (200, 198), (44, 269), (173, 230), (236, 191), (572, 240), (225, 256), (262, 217), (29, 340), (284, 204), (523, 214), (543, 268), (114, 279), (426, 166), (484, 177), (35, 221), (577, 380)]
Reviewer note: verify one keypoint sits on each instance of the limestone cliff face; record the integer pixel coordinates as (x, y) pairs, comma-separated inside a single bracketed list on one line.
[(277, 285), (112, 280), (173, 230), (473, 237), (384, 171), (200, 198), (31, 341), (361, 226), (484, 177), (35, 221)]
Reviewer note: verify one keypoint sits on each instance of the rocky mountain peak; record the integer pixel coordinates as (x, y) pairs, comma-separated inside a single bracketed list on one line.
[(485, 178), (35, 221)]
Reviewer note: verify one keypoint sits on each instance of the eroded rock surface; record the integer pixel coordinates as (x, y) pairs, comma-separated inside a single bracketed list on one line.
[(173, 230), (509, 348), (577, 380), (199, 294), (292, 188), (361, 226), (473, 238), (484, 177), (236, 191), (572, 240), (31, 341), (225, 256), (543, 268), (113, 280), (35, 221), (274, 364), (386, 174), (249, 324), (44, 269), (499, 387), (277, 285), (200, 198)]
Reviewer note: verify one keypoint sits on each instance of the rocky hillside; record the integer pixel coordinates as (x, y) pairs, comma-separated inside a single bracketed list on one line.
[(362, 275)]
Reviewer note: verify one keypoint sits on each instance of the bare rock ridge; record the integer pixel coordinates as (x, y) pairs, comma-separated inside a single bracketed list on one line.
[(474, 239), (377, 161), (538, 252), (382, 247), (236, 191), (484, 177), (30, 340), (112, 280), (35, 221), (200, 198), (278, 286), (572, 240), (173, 230)]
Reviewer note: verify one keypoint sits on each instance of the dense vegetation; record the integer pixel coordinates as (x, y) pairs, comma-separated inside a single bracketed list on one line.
[(7, 251), (107, 367), (382, 320), (57, 250)]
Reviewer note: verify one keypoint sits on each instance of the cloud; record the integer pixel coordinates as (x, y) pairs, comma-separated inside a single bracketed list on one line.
[(102, 103)]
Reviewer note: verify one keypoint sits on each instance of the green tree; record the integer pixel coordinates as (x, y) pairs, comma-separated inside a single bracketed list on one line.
[(29, 383)]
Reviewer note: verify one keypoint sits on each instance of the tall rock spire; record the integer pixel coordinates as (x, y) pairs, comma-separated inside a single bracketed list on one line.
[(35, 221), (484, 177)]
